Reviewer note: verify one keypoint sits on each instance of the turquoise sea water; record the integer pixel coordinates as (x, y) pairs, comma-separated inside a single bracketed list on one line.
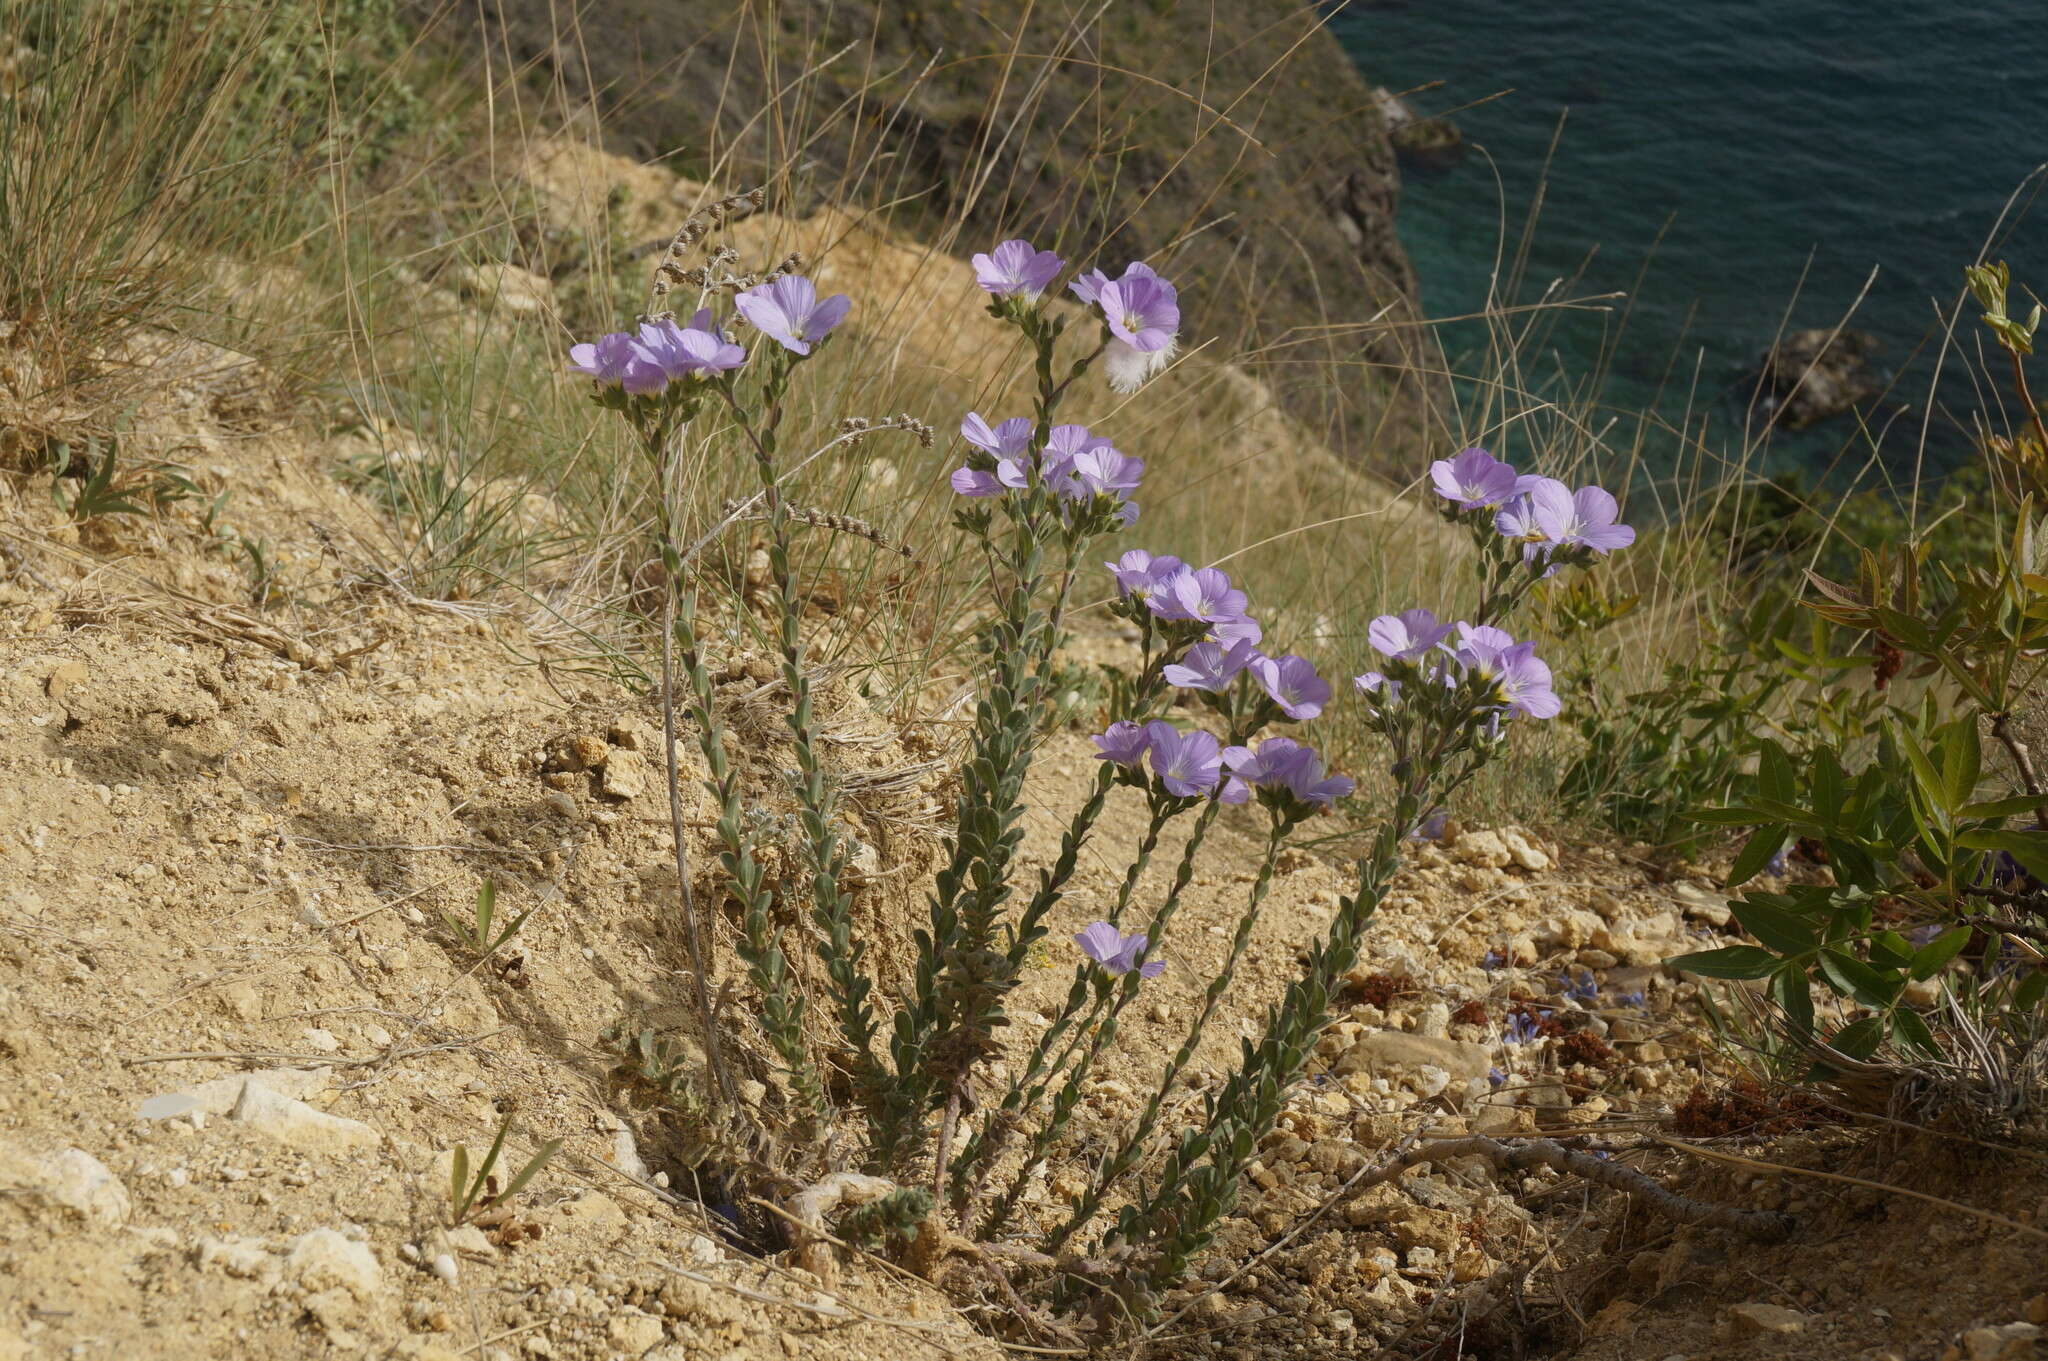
[(1780, 149)]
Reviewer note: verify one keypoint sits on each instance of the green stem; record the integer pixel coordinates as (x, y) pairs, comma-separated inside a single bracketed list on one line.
[(1200, 1182), (831, 906), (1100, 1036), (1126, 1155)]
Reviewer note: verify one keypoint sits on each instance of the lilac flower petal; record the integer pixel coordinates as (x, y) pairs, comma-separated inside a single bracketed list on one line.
[(1016, 269), (1123, 743), (1474, 479), (1099, 941)]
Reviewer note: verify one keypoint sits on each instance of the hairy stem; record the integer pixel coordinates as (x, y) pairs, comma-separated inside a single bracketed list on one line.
[(831, 906), (1097, 1038), (1128, 1150)]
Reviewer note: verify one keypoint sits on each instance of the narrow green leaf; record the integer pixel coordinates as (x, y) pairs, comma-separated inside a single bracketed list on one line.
[(1756, 852), (1962, 761), (2017, 805), (526, 1173), (1860, 1040), (1737, 816), (1853, 978), (1732, 961), (1778, 929), (1912, 1033), (1791, 990), (2029, 847), (1828, 783), (1890, 950), (1775, 778), (1932, 957), (1932, 788), (2028, 994)]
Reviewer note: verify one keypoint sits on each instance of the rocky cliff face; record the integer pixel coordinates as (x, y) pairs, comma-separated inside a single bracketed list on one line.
[(1248, 156)]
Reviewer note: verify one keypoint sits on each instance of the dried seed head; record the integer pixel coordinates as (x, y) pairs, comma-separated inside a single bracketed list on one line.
[(820, 519), (695, 229)]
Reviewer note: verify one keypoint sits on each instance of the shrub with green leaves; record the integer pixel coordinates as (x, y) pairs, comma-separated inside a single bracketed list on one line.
[(1934, 836)]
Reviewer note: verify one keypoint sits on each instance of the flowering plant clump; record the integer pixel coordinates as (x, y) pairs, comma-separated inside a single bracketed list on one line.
[(1036, 494)]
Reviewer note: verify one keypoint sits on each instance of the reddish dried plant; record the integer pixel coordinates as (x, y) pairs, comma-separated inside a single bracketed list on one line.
[(1743, 1107), (1380, 989), (1583, 1046), (1472, 1013)]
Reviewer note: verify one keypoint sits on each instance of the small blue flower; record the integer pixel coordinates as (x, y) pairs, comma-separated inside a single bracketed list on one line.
[(1494, 960), (1632, 999), (1431, 828), (1522, 1028), (1583, 990), (1496, 1077), (1776, 864)]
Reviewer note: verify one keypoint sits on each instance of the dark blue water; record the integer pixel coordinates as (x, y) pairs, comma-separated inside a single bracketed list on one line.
[(1763, 156)]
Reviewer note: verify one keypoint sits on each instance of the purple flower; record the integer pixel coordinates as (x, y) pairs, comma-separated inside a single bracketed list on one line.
[(1116, 952), (1474, 479), (1105, 470), (1211, 666), (1293, 683), (1581, 519), (1516, 520), (1495, 1077), (1407, 635), (694, 351), (1522, 1028), (1520, 679), (1631, 999), (1202, 593), (1016, 269), (1123, 743), (1524, 683), (1494, 959), (1283, 763), (1063, 445), (1007, 440), (1139, 574), (1307, 782), (1088, 287), (1431, 828), (1584, 989), (1188, 764), (1143, 311), (790, 312), (618, 360), (1238, 628), (1268, 766), (1375, 684), (974, 482)]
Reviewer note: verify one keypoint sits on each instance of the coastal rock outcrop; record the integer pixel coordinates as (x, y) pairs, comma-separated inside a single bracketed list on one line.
[(1814, 375)]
